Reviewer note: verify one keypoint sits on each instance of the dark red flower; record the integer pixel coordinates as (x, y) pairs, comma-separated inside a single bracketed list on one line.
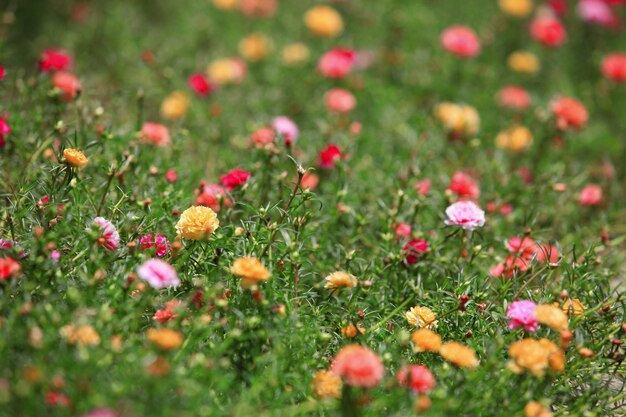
[(414, 250), (464, 186)]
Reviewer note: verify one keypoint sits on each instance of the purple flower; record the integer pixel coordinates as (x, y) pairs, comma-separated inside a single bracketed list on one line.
[(465, 214), (158, 273), (522, 313)]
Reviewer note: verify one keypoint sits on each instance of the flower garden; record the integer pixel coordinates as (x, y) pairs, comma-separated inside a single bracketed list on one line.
[(312, 208)]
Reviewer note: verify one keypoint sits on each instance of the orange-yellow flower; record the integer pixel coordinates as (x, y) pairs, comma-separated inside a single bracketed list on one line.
[(197, 223), (525, 62), (351, 330), (175, 105), (425, 340), (255, 47), (536, 356), (326, 385), (165, 338), (324, 21), (458, 118), (459, 355), (421, 317), (516, 138), (295, 53), (251, 271), (536, 409), (340, 279), (551, 316), (83, 335), (573, 307), (75, 158), (226, 4), (516, 8)]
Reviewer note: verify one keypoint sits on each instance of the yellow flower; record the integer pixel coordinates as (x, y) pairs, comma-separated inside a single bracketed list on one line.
[(75, 158), (226, 4), (255, 47), (516, 139), (251, 270), (425, 340), (324, 21), (536, 409), (197, 223), (536, 356), (226, 71), (516, 8), (458, 118), (326, 385), (340, 279), (459, 355), (573, 306), (84, 335), (521, 61), (164, 338), (551, 316), (175, 105), (295, 53), (421, 317)]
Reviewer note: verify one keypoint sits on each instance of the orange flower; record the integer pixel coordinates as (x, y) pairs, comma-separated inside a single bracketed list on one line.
[(421, 317), (340, 279), (251, 270), (551, 316), (351, 330), (164, 338), (516, 8), (459, 355), (255, 47), (75, 158), (569, 112), (521, 61), (295, 53), (175, 105), (515, 139), (536, 356), (536, 409), (84, 335), (324, 21), (573, 307), (425, 340), (326, 385)]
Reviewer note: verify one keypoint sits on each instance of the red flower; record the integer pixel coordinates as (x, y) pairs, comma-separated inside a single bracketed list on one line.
[(55, 60), (4, 130), (163, 315), (171, 175), (235, 178), (212, 196), (461, 41), (614, 67), (414, 250), (417, 378), (67, 83), (569, 112), (201, 85), (548, 31), (58, 398), (336, 63), (8, 268), (464, 186), (328, 156), (1, 73), (559, 6)]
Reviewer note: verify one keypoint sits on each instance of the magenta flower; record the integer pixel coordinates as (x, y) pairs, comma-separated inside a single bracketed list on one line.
[(158, 273), (159, 242), (109, 238), (101, 412), (465, 214), (522, 314)]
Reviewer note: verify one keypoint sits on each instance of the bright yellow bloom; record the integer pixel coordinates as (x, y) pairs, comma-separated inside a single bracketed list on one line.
[(516, 8), (425, 340), (458, 118), (197, 223), (295, 53), (421, 317), (459, 355), (551, 316), (255, 47), (165, 338), (324, 21), (75, 158), (226, 4), (226, 71), (251, 270), (175, 106), (326, 385), (536, 356), (340, 279), (521, 61), (516, 138)]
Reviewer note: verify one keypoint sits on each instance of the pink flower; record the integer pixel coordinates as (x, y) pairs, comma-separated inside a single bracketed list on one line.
[(155, 133), (522, 314), (55, 60), (4, 130), (328, 156), (212, 196), (414, 250), (109, 238), (339, 100), (614, 67), (417, 378), (423, 187), (464, 186), (55, 255), (286, 127), (403, 231), (514, 97), (598, 12), (68, 84), (337, 63), (170, 175), (524, 246), (159, 242), (569, 113), (547, 253), (465, 214), (101, 412), (309, 181), (358, 366), (548, 31), (591, 195), (235, 178), (263, 137), (201, 85), (158, 273), (461, 41), (2, 72)]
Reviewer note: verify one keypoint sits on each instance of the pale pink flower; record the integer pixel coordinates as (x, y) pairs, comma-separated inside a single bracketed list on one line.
[(286, 127), (598, 12), (109, 238), (337, 63), (358, 366), (417, 378), (339, 100), (591, 195), (461, 41), (158, 273), (465, 214), (522, 314), (155, 133)]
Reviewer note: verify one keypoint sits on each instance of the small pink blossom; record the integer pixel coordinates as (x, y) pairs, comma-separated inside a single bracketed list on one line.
[(522, 314), (597, 12), (171, 175), (53, 59), (235, 178), (465, 214), (464, 186), (155, 133), (337, 63), (109, 238), (286, 127), (101, 412), (159, 242), (158, 273), (417, 378), (591, 195), (201, 85), (403, 231), (339, 100), (212, 196), (423, 187), (461, 41)]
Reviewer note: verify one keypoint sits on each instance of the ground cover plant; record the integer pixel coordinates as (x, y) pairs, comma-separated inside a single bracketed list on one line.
[(284, 208)]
